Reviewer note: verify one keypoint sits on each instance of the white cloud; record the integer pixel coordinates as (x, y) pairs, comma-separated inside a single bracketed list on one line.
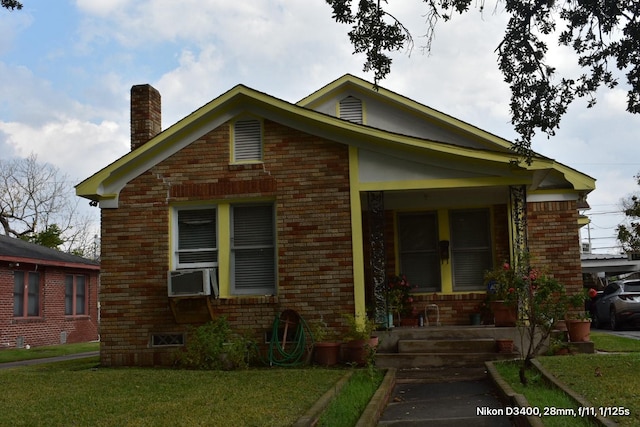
[(76, 147), (75, 111)]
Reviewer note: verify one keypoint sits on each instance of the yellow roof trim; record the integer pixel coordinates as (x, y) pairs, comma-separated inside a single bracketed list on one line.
[(361, 85), (105, 185)]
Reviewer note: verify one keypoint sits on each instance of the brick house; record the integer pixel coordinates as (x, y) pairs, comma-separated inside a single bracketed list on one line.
[(309, 206), (46, 296)]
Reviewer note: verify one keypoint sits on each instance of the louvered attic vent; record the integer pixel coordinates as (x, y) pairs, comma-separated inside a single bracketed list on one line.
[(247, 141), (351, 109)]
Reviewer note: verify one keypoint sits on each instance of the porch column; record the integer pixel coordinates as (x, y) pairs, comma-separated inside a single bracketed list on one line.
[(518, 225), (375, 201)]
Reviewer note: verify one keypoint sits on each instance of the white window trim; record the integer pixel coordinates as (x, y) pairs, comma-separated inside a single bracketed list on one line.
[(175, 239)]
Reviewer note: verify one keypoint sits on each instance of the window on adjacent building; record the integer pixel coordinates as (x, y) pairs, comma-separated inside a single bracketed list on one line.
[(75, 295), (26, 294), (418, 245), (253, 250), (247, 141), (196, 245), (351, 109), (471, 253)]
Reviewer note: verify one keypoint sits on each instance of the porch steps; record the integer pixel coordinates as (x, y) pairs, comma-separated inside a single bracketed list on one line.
[(436, 347)]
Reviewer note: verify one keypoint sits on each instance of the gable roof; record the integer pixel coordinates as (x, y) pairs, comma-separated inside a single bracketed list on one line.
[(16, 250), (351, 82), (105, 185)]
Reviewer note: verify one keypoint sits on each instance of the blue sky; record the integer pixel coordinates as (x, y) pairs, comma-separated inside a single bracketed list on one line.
[(67, 68)]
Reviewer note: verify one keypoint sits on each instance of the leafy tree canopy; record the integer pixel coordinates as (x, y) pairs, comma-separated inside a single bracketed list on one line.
[(603, 34), (629, 234), (11, 4)]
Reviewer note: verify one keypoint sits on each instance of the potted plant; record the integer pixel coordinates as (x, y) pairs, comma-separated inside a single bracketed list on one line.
[(579, 319), (360, 343), (326, 349), (400, 300), (502, 284)]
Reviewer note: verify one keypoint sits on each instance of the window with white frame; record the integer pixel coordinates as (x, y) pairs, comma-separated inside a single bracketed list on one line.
[(196, 244), (251, 245), (418, 250), (253, 270), (471, 251), (75, 295), (247, 140), (26, 294)]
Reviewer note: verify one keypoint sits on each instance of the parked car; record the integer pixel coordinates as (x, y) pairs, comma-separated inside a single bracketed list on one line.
[(617, 305)]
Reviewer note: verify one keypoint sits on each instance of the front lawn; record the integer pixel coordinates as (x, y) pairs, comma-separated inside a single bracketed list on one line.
[(608, 381), (80, 393)]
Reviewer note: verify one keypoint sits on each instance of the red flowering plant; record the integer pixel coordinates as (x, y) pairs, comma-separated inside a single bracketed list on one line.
[(398, 294), (503, 283)]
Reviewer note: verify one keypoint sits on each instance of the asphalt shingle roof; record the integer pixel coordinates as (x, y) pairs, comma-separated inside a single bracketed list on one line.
[(12, 248)]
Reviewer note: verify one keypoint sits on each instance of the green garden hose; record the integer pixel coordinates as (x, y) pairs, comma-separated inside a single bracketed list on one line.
[(289, 352)]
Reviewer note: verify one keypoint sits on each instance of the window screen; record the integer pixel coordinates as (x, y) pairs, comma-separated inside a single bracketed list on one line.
[(418, 241), (253, 250), (197, 238), (471, 253)]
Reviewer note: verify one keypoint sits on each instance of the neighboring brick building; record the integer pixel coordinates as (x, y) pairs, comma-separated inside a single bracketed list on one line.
[(308, 206), (46, 296)]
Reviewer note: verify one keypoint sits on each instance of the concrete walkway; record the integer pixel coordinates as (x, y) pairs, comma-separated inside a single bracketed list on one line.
[(48, 360), (443, 397)]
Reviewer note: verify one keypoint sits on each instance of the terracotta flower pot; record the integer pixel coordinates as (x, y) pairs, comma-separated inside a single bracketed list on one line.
[(356, 351), (504, 345), (579, 330), (326, 353), (503, 314)]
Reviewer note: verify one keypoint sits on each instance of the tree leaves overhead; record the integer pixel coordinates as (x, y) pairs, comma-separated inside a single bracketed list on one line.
[(11, 4), (603, 33), (629, 234), (374, 31)]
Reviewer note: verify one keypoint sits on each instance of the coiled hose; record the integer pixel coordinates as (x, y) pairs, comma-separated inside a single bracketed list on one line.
[(287, 352)]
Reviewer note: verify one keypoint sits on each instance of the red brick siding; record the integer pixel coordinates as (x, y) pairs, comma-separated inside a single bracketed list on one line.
[(47, 328), (554, 241), (307, 178)]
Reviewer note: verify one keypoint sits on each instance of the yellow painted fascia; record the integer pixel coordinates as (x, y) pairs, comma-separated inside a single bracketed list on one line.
[(318, 96), (241, 99), (583, 220), (442, 183), (578, 180), (97, 186)]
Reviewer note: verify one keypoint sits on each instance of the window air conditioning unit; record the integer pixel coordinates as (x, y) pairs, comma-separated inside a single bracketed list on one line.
[(183, 283)]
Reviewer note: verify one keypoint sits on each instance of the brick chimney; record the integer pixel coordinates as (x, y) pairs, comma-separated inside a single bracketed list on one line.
[(146, 114)]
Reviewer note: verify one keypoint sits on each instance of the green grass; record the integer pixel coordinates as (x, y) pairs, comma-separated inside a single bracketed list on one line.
[(615, 386), (346, 408), (611, 343), (81, 393), (605, 380), (540, 396), (14, 355)]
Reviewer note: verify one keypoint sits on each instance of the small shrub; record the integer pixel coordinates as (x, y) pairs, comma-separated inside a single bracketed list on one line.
[(214, 346)]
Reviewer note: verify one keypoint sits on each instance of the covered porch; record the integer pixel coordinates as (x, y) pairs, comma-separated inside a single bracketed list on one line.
[(442, 240)]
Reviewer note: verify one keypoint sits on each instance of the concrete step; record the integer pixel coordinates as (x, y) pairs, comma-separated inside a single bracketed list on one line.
[(389, 339), (425, 360), (476, 345), (441, 374)]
